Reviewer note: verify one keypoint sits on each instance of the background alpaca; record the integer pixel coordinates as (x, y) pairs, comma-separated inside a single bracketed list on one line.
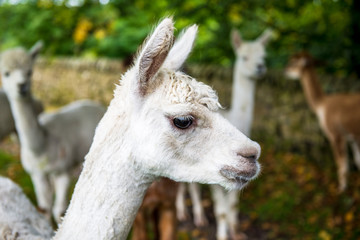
[(249, 65), (338, 114), (7, 124), (53, 144)]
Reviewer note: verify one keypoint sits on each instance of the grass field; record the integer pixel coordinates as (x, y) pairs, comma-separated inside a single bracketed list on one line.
[(295, 197)]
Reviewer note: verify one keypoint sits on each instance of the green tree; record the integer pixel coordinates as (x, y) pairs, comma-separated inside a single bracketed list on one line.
[(328, 29)]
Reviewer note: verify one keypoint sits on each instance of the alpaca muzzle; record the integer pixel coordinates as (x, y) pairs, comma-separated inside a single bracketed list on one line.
[(23, 89)]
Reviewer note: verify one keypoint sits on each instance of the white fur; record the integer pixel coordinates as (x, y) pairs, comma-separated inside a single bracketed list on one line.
[(182, 214), (18, 218), (181, 211), (53, 144), (181, 49), (136, 142)]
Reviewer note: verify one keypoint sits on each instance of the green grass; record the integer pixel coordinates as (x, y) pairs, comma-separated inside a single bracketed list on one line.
[(10, 166)]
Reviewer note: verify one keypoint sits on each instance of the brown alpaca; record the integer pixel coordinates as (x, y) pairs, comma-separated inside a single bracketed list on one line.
[(158, 206), (338, 114)]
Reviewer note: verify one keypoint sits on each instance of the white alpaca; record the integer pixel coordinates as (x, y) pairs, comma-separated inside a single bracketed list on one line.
[(53, 144), (249, 65), (161, 122), (7, 124)]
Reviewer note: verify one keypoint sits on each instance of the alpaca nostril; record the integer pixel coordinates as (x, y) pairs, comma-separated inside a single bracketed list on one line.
[(251, 157), (250, 154)]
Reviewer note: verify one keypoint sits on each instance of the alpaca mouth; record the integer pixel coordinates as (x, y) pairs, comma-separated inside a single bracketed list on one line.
[(239, 176)]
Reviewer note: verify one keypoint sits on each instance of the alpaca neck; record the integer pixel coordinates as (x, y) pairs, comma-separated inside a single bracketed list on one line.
[(110, 189), (242, 101), (31, 135), (313, 93)]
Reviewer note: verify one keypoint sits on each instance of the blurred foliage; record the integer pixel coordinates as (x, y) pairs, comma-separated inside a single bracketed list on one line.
[(329, 29)]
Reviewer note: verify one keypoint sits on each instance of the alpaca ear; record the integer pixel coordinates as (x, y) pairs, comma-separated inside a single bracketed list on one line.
[(181, 49), (265, 37), (35, 50), (236, 39), (154, 53)]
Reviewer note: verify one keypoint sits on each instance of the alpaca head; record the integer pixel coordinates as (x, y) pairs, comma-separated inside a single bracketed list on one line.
[(250, 55), (176, 130), (297, 64), (16, 69)]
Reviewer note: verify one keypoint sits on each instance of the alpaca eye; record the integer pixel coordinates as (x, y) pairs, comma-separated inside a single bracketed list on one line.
[(183, 122), (29, 73), (7, 74), (244, 58)]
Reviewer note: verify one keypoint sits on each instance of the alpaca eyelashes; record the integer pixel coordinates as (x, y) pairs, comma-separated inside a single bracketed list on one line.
[(183, 122), (7, 74)]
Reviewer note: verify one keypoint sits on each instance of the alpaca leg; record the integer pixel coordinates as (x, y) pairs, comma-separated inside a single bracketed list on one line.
[(181, 211), (220, 208), (355, 145), (338, 144), (232, 199), (167, 224), (44, 193), (139, 227), (198, 210), (61, 184)]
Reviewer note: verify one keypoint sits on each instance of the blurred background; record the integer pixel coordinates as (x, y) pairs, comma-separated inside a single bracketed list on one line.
[(90, 43)]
